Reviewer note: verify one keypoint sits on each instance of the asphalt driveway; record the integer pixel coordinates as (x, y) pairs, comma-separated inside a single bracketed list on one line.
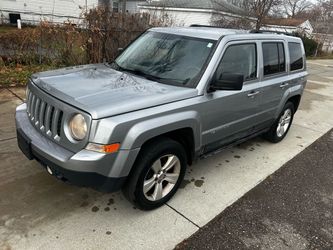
[(39, 212), (291, 209)]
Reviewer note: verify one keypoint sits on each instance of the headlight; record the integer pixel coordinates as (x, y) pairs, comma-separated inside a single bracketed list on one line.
[(78, 127)]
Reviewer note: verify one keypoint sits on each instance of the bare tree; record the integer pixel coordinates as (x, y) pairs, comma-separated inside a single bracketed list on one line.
[(327, 6), (296, 8), (259, 9)]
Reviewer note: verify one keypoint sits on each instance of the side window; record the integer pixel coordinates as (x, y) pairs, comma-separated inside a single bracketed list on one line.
[(296, 56), (239, 59), (274, 58)]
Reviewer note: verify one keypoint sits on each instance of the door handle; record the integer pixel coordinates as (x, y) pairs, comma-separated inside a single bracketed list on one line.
[(283, 85), (253, 94)]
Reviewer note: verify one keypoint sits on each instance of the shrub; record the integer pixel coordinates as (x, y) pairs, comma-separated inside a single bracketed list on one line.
[(95, 39), (310, 45)]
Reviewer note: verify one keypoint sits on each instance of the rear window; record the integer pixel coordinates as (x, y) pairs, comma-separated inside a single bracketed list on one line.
[(296, 56), (274, 58)]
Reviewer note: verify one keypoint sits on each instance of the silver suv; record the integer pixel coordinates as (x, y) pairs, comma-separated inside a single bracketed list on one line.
[(172, 96)]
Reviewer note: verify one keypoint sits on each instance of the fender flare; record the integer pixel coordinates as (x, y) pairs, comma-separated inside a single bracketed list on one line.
[(148, 129), (293, 91)]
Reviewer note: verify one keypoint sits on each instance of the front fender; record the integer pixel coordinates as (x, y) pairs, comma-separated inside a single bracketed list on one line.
[(143, 131)]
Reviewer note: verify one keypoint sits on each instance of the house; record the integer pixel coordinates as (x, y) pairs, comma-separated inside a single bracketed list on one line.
[(33, 11), (188, 12), (322, 32), (288, 25), (326, 41), (324, 35), (132, 6), (56, 11)]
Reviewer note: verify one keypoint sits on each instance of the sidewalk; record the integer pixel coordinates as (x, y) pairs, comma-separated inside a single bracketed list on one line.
[(291, 209)]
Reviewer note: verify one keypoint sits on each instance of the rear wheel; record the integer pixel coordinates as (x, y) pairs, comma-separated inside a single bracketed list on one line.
[(282, 125), (157, 174)]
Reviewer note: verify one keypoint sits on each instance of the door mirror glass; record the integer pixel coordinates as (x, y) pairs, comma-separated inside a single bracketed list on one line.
[(228, 81)]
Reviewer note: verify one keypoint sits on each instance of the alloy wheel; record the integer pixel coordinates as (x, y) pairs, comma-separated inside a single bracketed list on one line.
[(284, 123), (161, 177)]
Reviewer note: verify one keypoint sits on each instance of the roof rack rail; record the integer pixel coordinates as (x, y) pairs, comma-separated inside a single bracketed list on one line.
[(271, 32), (205, 26)]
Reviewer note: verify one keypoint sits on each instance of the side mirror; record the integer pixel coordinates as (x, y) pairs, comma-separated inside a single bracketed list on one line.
[(228, 82)]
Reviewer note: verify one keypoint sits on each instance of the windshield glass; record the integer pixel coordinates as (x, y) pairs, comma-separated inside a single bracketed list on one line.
[(166, 58)]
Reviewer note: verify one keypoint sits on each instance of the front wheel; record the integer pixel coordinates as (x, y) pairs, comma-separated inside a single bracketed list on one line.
[(157, 174), (282, 125)]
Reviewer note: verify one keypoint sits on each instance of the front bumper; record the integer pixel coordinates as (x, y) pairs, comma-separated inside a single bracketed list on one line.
[(104, 172)]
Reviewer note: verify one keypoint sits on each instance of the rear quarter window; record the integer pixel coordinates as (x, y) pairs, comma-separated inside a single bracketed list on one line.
[(296, 56)]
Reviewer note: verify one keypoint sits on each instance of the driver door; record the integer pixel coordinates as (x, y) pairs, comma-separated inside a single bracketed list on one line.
[(231, 115)]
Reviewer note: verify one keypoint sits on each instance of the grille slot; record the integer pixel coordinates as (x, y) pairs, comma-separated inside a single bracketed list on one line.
[(43, 116)]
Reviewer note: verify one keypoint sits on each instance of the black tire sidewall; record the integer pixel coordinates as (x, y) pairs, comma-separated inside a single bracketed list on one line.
[(272, 134), (147, 157)]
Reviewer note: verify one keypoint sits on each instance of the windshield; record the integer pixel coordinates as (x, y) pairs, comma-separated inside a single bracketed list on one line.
[(166, 58)]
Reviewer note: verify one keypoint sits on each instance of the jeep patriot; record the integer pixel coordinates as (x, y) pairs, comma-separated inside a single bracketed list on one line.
[(172, 96)]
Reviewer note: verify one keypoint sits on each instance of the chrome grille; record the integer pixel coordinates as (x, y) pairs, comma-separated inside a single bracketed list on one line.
[(45, 117)]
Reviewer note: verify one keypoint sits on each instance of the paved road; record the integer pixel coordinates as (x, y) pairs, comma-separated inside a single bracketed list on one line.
[(291, 209), (38, 212)]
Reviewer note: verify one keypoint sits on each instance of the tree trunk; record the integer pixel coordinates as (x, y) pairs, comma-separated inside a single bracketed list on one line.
[(258, 23)]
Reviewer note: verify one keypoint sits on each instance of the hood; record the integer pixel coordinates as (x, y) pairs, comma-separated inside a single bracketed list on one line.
[(103, 91)]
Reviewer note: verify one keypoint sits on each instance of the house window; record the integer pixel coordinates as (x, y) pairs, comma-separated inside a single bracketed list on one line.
[(115, 6)]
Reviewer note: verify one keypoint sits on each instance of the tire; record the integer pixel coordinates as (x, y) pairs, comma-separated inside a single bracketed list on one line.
[(149, 167), (274, 134)]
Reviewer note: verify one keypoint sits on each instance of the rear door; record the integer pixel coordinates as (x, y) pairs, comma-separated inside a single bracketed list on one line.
[(230, 115), (274, 79)]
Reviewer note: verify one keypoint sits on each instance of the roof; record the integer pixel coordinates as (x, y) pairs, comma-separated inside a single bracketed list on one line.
[(213, 33), (285, 21), (197, 4)]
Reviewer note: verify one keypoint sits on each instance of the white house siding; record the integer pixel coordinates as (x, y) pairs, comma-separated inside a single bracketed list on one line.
[(280, 28), (33, 11), (304, 28), (326, 40), (132, 6), (182, 17)]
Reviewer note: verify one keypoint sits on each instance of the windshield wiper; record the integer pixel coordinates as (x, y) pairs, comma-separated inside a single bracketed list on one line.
[(137, 72), (145, 75), (140, 73)]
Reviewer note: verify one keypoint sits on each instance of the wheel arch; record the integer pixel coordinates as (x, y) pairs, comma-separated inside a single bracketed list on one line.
[(293, 95), (183, 136), (295, 100), (183, 127)]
